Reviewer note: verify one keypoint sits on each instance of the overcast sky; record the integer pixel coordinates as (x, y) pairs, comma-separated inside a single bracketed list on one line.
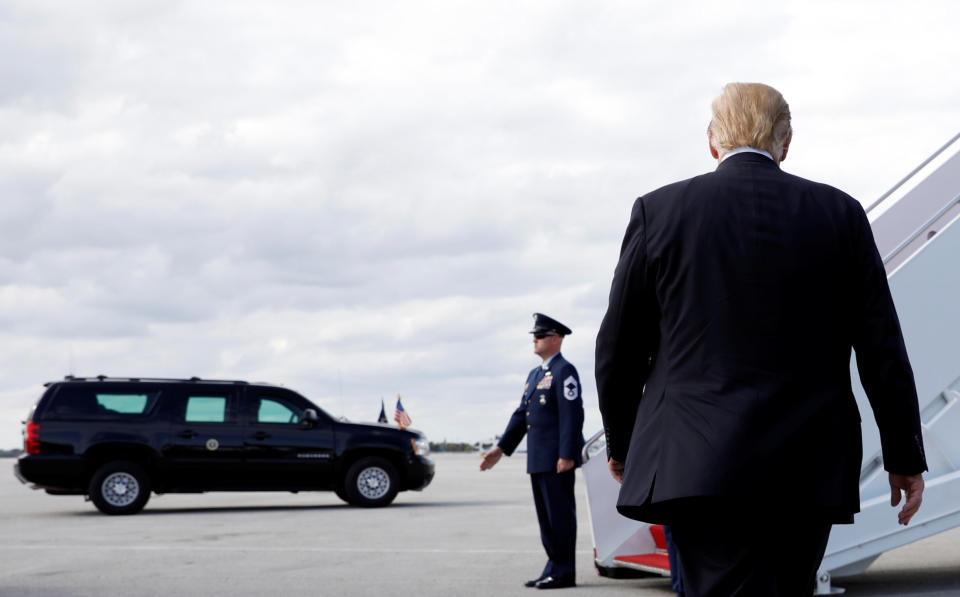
[(362, 199)]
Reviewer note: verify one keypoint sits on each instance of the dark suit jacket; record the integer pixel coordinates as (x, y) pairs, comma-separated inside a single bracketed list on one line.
[(734, 307), (550, 415)]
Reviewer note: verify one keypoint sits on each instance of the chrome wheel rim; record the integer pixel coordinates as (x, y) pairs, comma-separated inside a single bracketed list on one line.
[(120, 489), (373, 483)]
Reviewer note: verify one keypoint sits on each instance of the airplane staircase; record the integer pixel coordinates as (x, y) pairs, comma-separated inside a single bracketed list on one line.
[(915, 227), (656, 563), (916, 231), (621, 546)]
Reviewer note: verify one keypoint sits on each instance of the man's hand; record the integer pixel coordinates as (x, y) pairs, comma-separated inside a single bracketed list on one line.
[(564, 465), (490, 458), (912, 485), (616, 469)]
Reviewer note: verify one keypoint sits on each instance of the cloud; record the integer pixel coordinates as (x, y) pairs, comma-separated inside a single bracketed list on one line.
[(360, 201)]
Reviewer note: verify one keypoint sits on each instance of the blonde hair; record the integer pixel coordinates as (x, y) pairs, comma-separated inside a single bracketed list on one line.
[(750, 114)]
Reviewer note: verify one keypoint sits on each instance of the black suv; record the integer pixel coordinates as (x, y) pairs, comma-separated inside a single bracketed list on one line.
[(118, 439)]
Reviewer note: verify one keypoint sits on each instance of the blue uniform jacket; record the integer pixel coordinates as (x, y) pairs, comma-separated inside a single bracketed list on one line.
[(551, 415)]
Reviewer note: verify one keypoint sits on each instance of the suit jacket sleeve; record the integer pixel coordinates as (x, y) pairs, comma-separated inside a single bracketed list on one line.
[(570, 413), (882, 361), (627, 339), (516, 428)]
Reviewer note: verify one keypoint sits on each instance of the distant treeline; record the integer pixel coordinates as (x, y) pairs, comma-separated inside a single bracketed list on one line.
[(434, 447), (457, 446)]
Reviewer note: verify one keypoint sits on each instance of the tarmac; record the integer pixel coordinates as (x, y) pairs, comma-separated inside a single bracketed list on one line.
[(468, 534)]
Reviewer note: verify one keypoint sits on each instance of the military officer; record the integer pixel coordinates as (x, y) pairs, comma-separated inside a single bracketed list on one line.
[(551, 415)]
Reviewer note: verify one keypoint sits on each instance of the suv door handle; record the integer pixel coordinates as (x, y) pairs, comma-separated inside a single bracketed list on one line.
[(261, 435), (187, 434)]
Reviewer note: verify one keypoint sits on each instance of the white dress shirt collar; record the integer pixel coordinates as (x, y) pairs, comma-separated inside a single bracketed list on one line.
[(745, 149)]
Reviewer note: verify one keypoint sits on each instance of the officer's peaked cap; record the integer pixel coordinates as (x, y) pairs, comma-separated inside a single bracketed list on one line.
[(542, 323)]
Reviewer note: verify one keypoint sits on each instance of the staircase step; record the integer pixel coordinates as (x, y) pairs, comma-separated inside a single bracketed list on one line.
[(657, 563)]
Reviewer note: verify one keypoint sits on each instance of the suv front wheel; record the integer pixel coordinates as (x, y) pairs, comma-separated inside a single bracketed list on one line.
[(120, 487), (371, 482)]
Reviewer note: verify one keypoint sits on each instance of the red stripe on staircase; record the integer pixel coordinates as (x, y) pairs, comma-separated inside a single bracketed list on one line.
[(658, 536), (647, 560)]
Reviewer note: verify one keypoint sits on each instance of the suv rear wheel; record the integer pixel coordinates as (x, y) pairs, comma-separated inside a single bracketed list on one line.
[(120, 487), (371, 482)]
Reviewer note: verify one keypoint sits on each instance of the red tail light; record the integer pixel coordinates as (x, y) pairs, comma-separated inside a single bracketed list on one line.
[(31, 438)]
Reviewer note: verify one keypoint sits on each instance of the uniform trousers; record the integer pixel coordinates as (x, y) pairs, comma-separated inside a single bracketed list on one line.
[(736, 552), (557, 515)]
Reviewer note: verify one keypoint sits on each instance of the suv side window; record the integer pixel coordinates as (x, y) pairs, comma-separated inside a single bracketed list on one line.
[(275, 410), (206, 409), (128, 404), (80, 403)]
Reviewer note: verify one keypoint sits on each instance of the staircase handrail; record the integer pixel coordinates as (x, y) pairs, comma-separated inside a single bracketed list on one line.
[(916, 233), (914, 171)]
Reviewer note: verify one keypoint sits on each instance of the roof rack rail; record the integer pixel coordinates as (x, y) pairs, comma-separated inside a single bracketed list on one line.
[(193, 379)]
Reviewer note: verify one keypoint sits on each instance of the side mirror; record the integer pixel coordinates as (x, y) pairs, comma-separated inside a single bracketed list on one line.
[(309, 419)]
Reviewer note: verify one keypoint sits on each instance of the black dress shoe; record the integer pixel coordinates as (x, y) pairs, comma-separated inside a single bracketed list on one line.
[(556, 583), (533, 583)]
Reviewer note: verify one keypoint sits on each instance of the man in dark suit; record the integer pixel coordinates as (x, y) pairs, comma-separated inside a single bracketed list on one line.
[(734, 306), (551, 416)]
